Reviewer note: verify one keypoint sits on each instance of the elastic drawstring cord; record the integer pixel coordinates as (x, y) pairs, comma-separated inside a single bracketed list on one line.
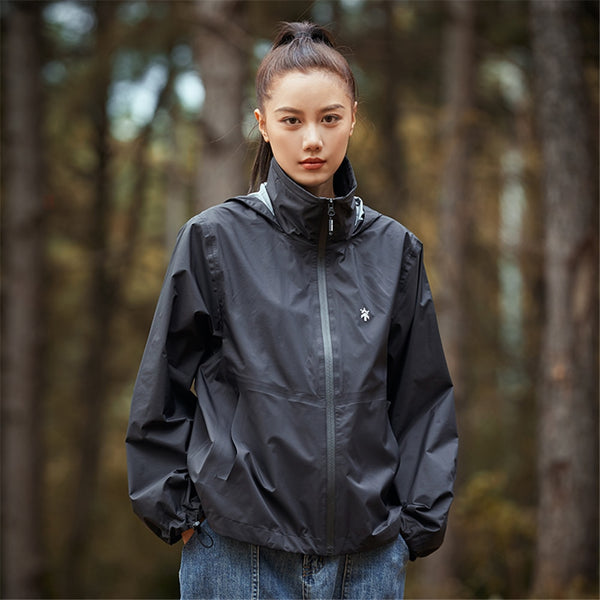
[(201, 533)]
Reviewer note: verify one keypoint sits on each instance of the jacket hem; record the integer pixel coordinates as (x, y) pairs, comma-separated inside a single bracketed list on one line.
[(289, 542)]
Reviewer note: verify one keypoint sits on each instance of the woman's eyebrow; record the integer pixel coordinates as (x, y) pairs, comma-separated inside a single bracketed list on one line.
[(333, 107), (296, 111), (288, 109)]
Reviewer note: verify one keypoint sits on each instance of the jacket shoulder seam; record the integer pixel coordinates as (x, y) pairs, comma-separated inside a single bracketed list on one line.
[(412, 249), (209, 242)]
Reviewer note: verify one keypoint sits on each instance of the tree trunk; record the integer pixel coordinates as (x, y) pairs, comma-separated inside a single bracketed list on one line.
[(99, 305), (175, 206), (22, 272), (390, 114), (220, 47), (567, 546), (106, 289), (459, 55), (437, 577)]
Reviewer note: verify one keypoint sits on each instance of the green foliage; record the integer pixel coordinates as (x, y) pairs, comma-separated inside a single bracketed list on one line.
[(497, 536)]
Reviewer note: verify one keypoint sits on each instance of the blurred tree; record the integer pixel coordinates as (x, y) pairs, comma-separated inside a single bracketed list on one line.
[(176, 211), (457, 123), (567, 542), (459, 68), (394, 162), (222, 51), (22, 303), (374, 42), (100, 304), (109, 273), (387, 51)]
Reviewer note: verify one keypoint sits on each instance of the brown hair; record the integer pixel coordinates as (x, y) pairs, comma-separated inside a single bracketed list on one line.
[(297, 46)]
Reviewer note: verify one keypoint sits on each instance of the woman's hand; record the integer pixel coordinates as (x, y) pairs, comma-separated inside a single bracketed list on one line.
[(187, 534)]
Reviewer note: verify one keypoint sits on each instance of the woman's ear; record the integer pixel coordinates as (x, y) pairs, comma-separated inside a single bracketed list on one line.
[(354, 110), (262, 126)]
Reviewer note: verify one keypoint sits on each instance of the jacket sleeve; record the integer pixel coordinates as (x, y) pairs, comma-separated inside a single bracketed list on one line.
[(422, 409), (163, 406)]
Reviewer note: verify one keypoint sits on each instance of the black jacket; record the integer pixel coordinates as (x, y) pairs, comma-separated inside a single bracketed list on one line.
[(322, 417)]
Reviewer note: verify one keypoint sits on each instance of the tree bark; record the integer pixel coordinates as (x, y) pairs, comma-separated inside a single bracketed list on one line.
[(22, 272), (108, 281), (390, 114), (221, 51), (437, 572), (458, 73), (100, 303), (175, 205), (567, 544)]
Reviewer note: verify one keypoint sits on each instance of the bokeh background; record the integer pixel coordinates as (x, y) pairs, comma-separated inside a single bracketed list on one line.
[(478, 129)]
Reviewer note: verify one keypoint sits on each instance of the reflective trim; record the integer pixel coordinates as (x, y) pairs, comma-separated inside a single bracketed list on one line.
[(263, 196)]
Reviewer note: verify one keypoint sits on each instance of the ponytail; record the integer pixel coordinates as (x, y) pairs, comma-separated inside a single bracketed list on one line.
[(262, 163)]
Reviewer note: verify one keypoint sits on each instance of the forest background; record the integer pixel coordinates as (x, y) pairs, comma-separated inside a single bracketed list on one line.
[(478, 129)]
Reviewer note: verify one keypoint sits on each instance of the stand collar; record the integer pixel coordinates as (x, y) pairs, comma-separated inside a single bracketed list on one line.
[(302, 214)]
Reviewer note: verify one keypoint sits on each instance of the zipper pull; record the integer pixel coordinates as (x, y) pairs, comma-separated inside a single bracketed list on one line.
[(330, 214)]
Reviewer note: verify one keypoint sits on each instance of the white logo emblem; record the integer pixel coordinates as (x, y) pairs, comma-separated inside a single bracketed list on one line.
[(364, 314)]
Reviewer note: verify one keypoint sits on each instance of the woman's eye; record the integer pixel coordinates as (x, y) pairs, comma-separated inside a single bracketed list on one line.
[(331, 118), (291, 120)]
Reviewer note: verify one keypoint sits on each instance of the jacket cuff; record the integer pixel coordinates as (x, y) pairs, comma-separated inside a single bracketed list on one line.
[(189, 521)]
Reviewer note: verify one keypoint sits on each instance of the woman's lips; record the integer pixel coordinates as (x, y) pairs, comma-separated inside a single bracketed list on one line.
[(312, 164)]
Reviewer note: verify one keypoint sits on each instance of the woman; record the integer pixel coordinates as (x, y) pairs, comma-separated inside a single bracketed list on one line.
[(316, 454)]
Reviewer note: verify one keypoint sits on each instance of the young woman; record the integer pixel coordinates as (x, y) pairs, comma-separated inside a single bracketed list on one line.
[(316, 452)]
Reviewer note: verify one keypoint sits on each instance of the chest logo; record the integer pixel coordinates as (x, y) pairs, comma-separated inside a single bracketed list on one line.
[(364, 314)]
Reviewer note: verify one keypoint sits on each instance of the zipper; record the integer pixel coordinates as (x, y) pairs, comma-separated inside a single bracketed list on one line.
[(329, 387)]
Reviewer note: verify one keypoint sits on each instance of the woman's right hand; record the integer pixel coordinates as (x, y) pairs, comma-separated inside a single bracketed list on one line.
[(187, 534)]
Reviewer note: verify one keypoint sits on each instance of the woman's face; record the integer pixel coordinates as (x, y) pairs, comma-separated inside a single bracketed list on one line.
[(308, 119)]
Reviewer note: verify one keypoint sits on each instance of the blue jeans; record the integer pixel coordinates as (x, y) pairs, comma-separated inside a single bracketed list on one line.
[(213, 566)]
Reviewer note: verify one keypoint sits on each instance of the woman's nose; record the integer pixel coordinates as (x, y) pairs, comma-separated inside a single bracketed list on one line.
[(312, 139)]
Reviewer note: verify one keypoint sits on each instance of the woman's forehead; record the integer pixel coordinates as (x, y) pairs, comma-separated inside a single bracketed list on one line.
[(313, 84)]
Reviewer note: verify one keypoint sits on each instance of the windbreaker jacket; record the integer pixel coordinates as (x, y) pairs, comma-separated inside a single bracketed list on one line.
[(293, 389)]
